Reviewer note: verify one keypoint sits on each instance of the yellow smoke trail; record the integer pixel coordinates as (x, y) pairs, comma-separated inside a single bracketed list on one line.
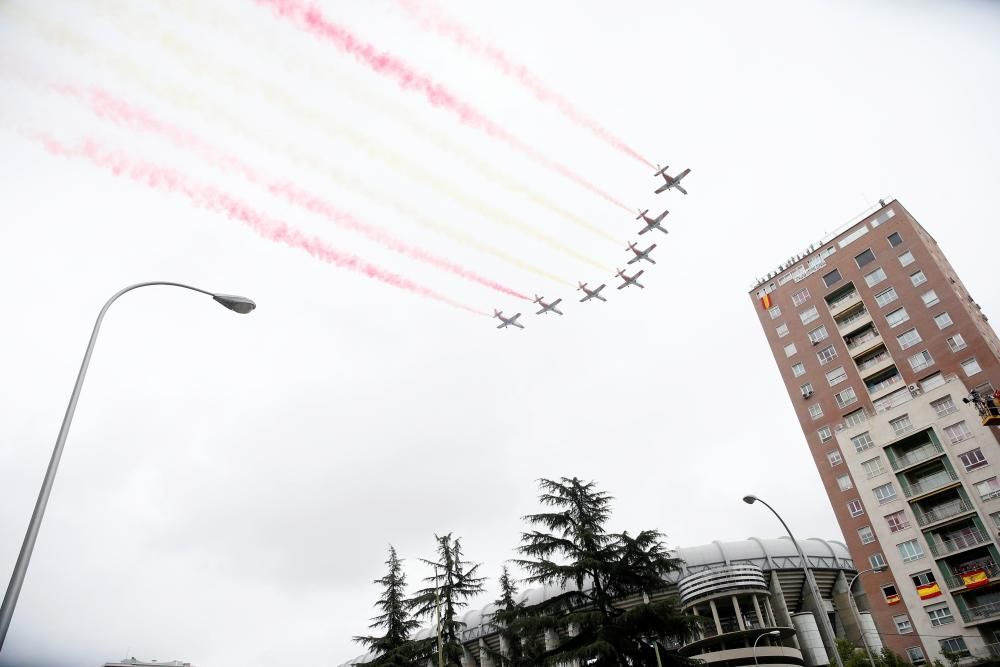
[(321, 119), (190, 100)]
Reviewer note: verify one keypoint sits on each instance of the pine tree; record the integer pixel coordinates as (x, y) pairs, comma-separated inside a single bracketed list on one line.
[(394, 648), (520, 651), (575, 548), (454, 581)]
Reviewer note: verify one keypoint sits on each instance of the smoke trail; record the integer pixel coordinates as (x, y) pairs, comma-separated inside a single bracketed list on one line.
[(208, 197), (111, 108), (312, 19), (436, 21)]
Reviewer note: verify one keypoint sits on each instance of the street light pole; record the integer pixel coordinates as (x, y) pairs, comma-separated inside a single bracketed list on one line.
[(237, 304), (824, 621), (772, 633), (857, 613)]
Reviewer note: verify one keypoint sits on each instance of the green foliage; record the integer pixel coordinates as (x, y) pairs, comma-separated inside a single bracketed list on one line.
[(393, 649), (853, 656), (520, 651)]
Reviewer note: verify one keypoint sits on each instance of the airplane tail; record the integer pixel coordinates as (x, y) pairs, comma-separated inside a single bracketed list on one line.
[(641, 213), (662, 170)]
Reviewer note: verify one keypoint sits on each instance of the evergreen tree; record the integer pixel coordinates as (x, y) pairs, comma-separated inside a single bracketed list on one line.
[(575, 548), (394, 648), (520, 651), (454, 581)]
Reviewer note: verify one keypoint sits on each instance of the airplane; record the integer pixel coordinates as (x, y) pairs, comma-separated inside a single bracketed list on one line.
[(591, 293), (546, 307), (641, 254), (630, 280), (652, 223), (671, 181), (507, 321)]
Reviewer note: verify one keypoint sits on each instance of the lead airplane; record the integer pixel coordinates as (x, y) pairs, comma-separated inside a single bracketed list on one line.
[(652, 223), (641, 254), (547, 307), (630, 280), (671, 182), (507, 321), (591, 293)]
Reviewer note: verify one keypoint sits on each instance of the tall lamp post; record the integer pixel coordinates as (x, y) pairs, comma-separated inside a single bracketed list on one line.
[(824, 621), (237, 304), (772, 633), (857, 613)]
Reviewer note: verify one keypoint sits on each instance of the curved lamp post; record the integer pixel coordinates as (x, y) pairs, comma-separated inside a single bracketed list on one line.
[(857, 613), (824, 621), (237, 304), (772, 633)]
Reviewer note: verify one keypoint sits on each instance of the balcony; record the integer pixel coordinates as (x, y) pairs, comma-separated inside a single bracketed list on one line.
[(983, 612), (914, 456), (884, 387), (954, 579), (861, 344), (842, 303), (942, 512), (929, 483), (874, 363), (855, 320), (956, 542)]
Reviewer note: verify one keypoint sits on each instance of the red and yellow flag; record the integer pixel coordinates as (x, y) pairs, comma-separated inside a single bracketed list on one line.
[(975, 578), (766, 301), (928, 591), (893, 599)]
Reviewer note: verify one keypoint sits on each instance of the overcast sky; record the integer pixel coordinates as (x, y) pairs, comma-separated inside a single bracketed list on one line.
[(231, 483)]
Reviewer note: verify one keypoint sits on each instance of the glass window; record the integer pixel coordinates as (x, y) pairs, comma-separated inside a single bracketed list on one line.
[(906, 258), (921, 360), (815, 411), (943, 320), (885, 493), (889, 592), (855, 508), (918, 278), (865, 258), (958, 432), (956, 343), (897, 317), (782, 330), (908, 339), (973, 459), (866, 535), (818, 334), (862, 442), (901, 425), (894, 239), (831, 278), (955, 645), (930, 298), (940, 615), (826, 355), (971, 366), (774, 312), (873, 467), (846, 397), (808, 315), (988, 488), (824, 434), (932, 382), (896, 521), (836, 376), (944, 406), (875, 277), (790, 349), (910, 551), (886, 297), (915, 655), (806, 389), (799, 369), (854, 418), (834, 458), (845, 483), (877, 560), (903, 624), (922, 578), (800, 297)]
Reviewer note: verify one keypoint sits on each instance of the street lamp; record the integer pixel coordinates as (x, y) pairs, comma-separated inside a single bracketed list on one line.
[(824, 621), (772, 633), (857, 613), (237, 304)]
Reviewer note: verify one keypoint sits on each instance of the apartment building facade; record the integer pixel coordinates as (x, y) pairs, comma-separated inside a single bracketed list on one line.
[(878, 341)]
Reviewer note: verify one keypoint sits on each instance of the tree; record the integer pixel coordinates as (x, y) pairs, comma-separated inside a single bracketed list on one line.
[(394, 648), (603, 567), (454, 581), (519, 651)]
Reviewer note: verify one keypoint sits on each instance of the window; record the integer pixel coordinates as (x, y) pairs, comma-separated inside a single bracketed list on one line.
[(831, 278), (846, 397), (799, 369), (944, 406), (897, 317), (932, 382), (915, 655), (885, 493), (955, 645), (958, 432), (866, 535), (930, 298), (800, 297), (918, 278), (901, 425), (956, 343), (806, 389), (906, 258), (854, 418), (845, 483), (971, 366), (865, 258), (834, 458), (774, 312), (855, 508), (862, 442), (894, 239), (973, 459), (921, 360), (988, 488), (940, 615), (902, 624), (922, 578), (886, 297), (943, 320), (818, 334), (790, 349), (824, 434), (877, 560), (808, 315), (875, 277), (910, 551), (782, 330), (896, 521), (889, 592), (873, 467), (815, 411), (826, 355), (836, 376), (908, 339)]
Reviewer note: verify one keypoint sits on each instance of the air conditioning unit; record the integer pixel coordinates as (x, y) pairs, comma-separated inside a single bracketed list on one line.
[(806, 393), (815, 342), (914, 389)]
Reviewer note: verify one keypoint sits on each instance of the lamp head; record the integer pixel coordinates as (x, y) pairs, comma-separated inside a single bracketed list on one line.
[(237, 304), (774, 633), (750, 500)]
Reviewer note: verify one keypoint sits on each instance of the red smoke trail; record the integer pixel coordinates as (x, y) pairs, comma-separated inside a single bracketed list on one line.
[(312, 19), (208, 197), (109, 107), (432, 19)]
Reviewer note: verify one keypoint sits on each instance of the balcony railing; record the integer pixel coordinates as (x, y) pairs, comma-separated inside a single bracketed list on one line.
[(930, 482), (842, 301), (884, 384), (956, 542), (954, 579), (923, 453), (993, 650), (860, 341), (873, 361), (981, 612), (853, 317), (941, 512)]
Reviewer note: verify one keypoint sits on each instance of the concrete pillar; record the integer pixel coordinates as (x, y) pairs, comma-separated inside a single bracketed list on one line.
[(764, 622), (739, 615), (845, 611), (467, 659), (779, 610), (715, 617), (485, 659), (504, 647), (551, 640)]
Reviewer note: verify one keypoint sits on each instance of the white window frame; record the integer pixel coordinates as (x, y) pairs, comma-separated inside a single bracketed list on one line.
[(946, 316), (815, 411), (905, 346), (839, 374), (834, 458), (948, 405), (866, 534), (884, 497), (895, 525), (865, 439), (918, 278), (957, 343), (873, 467), (808, 315), (774, 312), (795, 369), (905, 317), (903, 625), (846, 397), (782, 330), (855, 507), (932, 301), (971, 363), (963, 431), (882, 303), (844, 483), (976, 459), (825, 434), (877, 560), (901, 425), (821, 329), (800, 297), (910, 550), (873, 278), (906, 258), (921, 360), (823, 361)]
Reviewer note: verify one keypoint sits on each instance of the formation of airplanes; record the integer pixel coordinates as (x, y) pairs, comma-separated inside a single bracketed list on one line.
[(669, 183)]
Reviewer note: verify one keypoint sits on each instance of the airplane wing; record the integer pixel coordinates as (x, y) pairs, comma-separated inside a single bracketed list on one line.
[(681, 189), (633, 260), (623, 286), (555, 303), (638, 274), (682, 175), (661, 188), (501, 326), (644, 229)]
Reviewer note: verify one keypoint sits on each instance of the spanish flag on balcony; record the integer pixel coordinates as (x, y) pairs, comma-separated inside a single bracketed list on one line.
[(766, 301), (893, 599), (975, 578), (928, 591)]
